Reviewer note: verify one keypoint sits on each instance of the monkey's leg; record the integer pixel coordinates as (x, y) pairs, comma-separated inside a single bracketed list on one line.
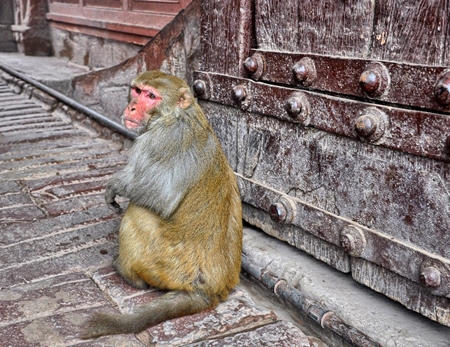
[(171, 305), (138, 228), (129, 276)]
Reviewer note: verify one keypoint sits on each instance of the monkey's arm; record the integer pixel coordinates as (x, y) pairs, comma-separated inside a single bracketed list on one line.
[(110, 196), (117, 185)]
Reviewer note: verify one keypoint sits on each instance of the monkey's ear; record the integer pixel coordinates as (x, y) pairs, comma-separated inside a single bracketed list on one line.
[(185, 98)]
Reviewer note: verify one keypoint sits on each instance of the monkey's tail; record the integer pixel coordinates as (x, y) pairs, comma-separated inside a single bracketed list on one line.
[(171, 305)]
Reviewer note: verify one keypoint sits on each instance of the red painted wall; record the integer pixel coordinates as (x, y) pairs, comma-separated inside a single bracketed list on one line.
[(133, 21)]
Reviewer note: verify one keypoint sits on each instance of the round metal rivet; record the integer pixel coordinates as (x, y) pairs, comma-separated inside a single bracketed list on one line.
[(442, 89), (365, 125), (255, 66), (305, 71), (375, 80), (251, 65), (239, 93), (277, 212), (430, 277), (352, 240), (347, 242), (298, 108), (284, 210), (370, 81), (293, 106), (199, 87), (371, 124)]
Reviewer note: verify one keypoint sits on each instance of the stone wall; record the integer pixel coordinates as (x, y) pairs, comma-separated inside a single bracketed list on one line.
[(93, 52)]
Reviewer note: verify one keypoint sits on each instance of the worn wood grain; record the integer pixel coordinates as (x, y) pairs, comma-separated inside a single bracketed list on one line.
[(399, 195), (340, 28), (409, 294), (411, 31), (277, 24), (446, 28), (226, 33)]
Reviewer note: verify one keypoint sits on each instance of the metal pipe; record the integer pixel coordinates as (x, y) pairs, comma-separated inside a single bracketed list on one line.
[(326, 318), (72, 103)]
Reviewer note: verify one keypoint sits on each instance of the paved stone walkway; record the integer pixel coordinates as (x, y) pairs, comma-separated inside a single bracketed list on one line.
[(58, 238)]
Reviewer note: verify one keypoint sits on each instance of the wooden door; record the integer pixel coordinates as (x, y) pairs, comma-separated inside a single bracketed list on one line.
[(335, 117)]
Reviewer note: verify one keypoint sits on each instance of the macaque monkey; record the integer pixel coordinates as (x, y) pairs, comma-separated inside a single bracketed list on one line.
[(182, 230)]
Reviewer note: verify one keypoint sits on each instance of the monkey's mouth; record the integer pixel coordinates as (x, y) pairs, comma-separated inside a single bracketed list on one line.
[(130, 123)]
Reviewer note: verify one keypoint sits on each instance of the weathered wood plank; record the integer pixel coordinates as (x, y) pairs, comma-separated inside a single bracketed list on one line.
[(341, 28), (276, 24), (398, 195), (226, 34), (409, 294), (411, 31)]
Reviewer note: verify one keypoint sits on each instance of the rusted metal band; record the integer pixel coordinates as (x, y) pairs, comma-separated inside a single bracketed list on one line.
[(410, 131), (415, 264), (411, 85)]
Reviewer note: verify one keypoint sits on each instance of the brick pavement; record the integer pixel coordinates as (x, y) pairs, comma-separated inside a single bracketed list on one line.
[(58, 238)]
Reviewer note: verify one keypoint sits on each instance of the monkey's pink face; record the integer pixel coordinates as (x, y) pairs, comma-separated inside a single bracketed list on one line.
[(143, 100)]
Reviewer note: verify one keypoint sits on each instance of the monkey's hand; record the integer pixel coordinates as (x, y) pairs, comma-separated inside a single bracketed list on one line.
[(110, 196)]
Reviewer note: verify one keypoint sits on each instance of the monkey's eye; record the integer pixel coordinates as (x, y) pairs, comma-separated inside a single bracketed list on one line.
[(152, 96), (137, 90)]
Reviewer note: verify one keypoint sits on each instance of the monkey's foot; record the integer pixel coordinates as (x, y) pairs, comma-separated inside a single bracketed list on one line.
[(134, 281)]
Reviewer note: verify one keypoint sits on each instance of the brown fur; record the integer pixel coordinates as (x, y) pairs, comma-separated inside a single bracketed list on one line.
[(182, 230)]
